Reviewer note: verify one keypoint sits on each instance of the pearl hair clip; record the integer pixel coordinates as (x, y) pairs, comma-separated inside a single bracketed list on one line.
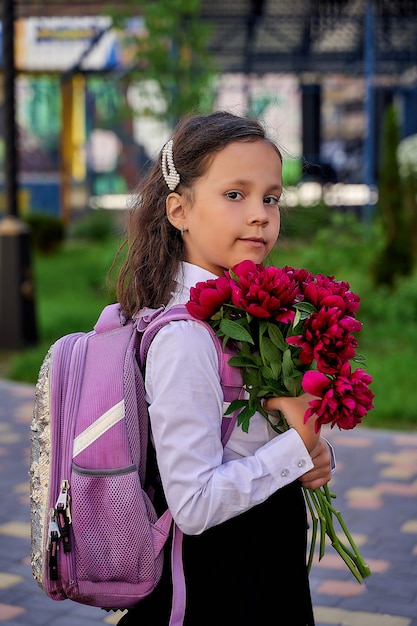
[(171, 176)]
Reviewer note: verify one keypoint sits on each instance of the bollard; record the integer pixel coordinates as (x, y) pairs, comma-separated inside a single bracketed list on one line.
[(18, 327)]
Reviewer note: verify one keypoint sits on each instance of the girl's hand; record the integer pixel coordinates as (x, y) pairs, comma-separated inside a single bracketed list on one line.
[(322, 470), (294, 409)]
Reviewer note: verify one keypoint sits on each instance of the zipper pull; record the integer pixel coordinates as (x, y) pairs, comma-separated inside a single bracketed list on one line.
[(63, 514), (53, 545), (53, 528), (63, 500)]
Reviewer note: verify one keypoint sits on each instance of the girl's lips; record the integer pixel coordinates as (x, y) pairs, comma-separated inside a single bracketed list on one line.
[(255, 241)]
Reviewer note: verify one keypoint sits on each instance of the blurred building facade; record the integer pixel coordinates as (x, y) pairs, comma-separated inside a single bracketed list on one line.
[(319, 73)]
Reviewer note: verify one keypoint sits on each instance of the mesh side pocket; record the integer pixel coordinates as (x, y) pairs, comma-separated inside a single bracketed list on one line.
[(112, 532)]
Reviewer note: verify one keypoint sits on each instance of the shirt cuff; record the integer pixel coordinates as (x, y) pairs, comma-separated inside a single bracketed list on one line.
[(285, 457)]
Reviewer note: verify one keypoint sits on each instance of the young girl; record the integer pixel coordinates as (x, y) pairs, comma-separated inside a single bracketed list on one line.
[(210, 201)]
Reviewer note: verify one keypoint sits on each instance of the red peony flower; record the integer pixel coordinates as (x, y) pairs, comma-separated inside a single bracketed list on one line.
[(264, 292), (327, 339), (207, 297), (343, 400), (326, 291)]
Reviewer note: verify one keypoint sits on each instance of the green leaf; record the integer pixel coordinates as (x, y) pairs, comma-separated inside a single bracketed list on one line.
[(235, 405), (277, 337), (296, 322), (242, 361), (216, 317), (267, 372), (251, 377), (274, 370), (234, 276), (305, 307), (274, 384), (360, 359), (270, 352), (235, 331), (271, 388), (246, 350), (287, 363), (244, 417), (303, 311), (291, 378), (263, 326), (293, 384)]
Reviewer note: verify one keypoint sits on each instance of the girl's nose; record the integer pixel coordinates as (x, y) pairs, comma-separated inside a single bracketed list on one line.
[(258, 213)]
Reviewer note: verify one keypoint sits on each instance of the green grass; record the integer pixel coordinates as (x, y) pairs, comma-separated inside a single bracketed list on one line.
[(71, 290), (388, 338), (71, 286)]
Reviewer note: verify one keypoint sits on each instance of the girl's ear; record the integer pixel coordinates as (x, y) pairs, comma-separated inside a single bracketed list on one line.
[(175, 210)]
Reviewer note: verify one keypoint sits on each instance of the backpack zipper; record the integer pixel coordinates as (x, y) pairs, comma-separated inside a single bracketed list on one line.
[(60, 514), (54, 537), (63, 515)]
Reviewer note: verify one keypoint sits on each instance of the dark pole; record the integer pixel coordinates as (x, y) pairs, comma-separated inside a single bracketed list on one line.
[(255, 13), (17, 313), (369, 67), (311, 94), (10, 135)]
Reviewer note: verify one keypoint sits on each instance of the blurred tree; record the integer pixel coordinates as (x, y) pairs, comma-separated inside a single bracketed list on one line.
[(170, 61), (395, 258), (407, 157)]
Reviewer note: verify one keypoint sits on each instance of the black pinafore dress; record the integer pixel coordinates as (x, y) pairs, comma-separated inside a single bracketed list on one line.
[(248, 571)]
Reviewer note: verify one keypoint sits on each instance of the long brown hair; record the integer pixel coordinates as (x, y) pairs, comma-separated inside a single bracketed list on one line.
[(154, 247)]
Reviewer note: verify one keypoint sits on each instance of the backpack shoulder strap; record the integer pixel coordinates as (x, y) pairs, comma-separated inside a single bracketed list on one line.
[(151, 320), (148, 323)]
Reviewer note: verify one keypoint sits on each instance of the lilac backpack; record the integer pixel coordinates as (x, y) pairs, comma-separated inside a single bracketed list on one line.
[(96, 538)]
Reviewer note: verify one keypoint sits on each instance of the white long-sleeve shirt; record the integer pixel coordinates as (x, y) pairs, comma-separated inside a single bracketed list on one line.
[(204, 483)]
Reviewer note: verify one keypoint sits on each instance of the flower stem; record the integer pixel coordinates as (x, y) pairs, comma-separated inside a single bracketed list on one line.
[(314, 521), (321, 509)]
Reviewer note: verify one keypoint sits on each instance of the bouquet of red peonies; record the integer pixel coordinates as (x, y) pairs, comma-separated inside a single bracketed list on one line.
[(293, 332)]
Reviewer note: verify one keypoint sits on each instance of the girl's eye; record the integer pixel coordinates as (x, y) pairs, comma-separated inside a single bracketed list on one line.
[(234, 195), (272, 200)]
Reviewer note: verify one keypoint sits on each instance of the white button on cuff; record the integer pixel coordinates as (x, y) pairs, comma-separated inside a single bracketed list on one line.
[(285, 472), (301, 463)]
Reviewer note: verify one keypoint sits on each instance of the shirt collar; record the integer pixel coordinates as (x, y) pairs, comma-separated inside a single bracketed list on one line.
[(188, 276)]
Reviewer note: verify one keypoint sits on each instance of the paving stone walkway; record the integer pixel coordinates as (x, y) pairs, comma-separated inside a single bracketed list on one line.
[(376, 488)]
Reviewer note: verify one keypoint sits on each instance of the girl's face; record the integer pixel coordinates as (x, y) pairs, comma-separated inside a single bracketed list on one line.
[(234, 215)]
